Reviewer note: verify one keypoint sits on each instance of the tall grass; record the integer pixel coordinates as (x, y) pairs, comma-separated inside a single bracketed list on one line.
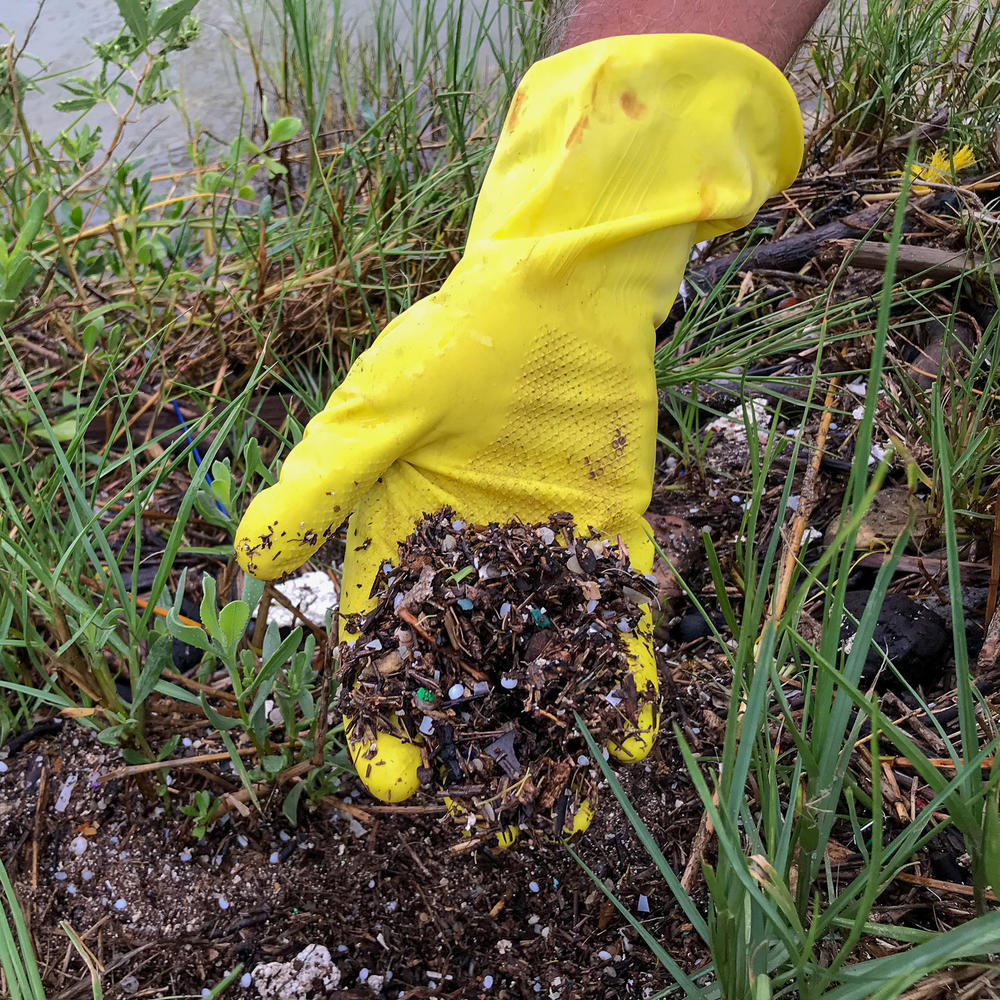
[(880, 67)]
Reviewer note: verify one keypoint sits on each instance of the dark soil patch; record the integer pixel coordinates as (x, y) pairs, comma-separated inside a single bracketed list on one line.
[(385, 897)]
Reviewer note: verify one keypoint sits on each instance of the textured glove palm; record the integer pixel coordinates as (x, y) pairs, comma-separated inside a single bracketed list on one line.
[(525, 385)]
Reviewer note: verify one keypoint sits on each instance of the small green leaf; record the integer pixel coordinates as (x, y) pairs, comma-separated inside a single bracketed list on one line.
[(290, 807), (233, 619), (172, 16), (221, 722), (190, 634), (209, 604), (253, 590), (273, 763), (212, 181), (75, 104), (284, 129), (135, 17), (160, 655)]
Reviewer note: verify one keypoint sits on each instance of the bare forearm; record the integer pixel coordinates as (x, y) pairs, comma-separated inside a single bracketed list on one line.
[(772, 27)]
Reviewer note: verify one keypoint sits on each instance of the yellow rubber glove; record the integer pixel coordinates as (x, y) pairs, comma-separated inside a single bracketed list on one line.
[(525, 385)]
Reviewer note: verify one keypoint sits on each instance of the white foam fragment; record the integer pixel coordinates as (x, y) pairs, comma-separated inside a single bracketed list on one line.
[(312, 593), (66, 793), (736, 423), (643, 906)]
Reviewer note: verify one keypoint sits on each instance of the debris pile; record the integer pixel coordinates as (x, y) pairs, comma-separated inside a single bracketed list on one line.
[(483, 643)]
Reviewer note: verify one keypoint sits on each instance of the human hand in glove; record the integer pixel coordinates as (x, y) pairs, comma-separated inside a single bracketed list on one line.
[(525, 386)]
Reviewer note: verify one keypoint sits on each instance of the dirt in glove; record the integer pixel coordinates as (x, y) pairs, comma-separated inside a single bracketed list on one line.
[(486, 643)]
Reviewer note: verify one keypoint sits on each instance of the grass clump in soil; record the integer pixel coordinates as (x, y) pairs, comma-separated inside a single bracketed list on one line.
[(486, 642)]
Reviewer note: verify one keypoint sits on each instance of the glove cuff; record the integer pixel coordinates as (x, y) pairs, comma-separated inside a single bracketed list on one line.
[(628, 135)]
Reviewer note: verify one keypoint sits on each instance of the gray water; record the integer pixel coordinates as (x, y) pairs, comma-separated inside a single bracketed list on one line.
[(212, 76), (207, 75)]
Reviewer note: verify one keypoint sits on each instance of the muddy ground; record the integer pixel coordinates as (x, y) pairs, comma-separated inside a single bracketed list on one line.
[(400, 913)]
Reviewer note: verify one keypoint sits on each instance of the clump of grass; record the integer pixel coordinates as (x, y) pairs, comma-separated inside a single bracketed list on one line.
[(880, 67)]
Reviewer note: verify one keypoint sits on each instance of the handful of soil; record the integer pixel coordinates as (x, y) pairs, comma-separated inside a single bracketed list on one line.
[(483, 643)]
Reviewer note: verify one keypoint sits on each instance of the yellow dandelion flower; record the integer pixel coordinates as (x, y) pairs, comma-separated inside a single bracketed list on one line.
[(942, 168)]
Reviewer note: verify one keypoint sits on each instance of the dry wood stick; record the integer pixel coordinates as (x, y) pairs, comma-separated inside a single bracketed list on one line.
[(930, 262), (807, 500)]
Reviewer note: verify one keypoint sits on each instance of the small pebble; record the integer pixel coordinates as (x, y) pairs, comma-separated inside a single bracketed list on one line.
[(129, 985), (245, 980), (120, 904)]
